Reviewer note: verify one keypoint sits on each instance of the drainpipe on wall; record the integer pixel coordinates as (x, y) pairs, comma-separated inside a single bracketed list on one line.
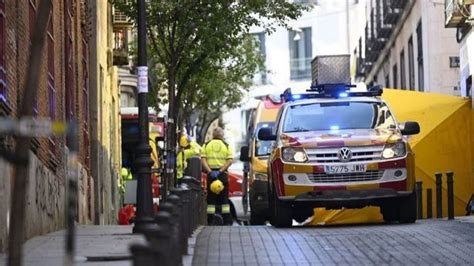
[(94, 113)]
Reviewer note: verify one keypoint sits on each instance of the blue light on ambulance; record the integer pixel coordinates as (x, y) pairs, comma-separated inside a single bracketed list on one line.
[(343, 94), (297, 96), (334, 127)]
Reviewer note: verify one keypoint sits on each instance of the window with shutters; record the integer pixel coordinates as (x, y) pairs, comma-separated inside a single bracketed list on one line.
[(419, 40), (301, 54), (402, 70), (395, 76), (411, 64)]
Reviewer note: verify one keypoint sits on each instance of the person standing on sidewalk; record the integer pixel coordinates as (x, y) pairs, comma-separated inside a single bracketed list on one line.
[(187, 148), (217, 157)]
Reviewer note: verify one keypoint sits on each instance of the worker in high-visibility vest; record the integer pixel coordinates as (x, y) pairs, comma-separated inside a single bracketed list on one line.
[(217, 157), (126, 174), (187, 148)]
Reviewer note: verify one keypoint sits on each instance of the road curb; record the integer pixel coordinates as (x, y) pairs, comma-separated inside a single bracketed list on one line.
[(188, 259)]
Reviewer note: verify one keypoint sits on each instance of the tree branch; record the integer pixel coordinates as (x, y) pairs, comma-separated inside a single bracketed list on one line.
[(155, 45), (189, 72)]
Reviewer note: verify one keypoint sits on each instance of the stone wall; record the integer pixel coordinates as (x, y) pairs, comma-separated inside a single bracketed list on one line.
[(45, 203)]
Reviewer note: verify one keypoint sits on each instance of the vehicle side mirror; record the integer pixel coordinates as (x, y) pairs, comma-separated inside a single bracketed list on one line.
[(410, 128), (244, 154), (266, 133)]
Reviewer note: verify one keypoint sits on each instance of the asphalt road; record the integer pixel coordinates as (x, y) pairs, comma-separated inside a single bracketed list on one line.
[(428, 242)]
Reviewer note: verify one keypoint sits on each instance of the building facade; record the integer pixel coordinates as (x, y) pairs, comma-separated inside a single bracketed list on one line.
[(459, 16), (329, 28), (65, 91), (406, 46)]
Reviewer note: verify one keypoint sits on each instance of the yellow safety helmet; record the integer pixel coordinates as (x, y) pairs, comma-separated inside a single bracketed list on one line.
[(184, 140), (217, 186)]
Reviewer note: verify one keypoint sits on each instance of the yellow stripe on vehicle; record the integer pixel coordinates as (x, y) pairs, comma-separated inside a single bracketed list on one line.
[(289, 168), (295, 190), (362, 186)]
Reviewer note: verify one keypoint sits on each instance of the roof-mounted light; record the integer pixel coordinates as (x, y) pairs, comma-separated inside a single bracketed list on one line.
[(335, 91)]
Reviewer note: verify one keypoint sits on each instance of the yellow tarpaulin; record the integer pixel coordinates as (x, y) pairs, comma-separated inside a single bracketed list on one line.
[(444, 144)]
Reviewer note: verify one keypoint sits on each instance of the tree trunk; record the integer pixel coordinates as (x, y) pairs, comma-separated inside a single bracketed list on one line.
[(171, 130)]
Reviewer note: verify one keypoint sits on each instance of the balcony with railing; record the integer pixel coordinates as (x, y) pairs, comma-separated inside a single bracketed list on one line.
[(384, 29), (120, 49), (360, 60), (300, 68), (455, 12), (392, 10)]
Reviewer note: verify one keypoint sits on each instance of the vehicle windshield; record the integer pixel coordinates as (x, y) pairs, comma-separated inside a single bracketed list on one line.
[(262, 147), (338, 116)]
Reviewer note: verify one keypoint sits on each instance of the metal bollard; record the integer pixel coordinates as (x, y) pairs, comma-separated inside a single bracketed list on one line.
[(187, 212), (450, 183), (174, 242), (182, 193), (182, 238), (162, 238), (439, 198), (195, 187), (142, 255), (419, 198), (429, 203)]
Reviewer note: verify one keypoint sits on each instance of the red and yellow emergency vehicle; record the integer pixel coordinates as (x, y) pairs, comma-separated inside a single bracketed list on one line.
[(335, 148)]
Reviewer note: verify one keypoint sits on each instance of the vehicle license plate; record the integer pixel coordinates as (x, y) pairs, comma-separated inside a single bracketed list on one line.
[(341, 169)]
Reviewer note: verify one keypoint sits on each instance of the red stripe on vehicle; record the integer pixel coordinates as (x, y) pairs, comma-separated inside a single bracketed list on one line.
[(333, 143), (318, 169), (392, 164), (277, 167), (397, 185), (271, 105)]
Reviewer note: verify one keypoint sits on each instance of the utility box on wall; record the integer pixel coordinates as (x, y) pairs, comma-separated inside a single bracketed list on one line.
[(330, 69)]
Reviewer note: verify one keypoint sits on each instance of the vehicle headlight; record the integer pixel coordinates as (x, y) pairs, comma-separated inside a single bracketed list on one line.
[(398, 149), (294, 155), (261, 176)]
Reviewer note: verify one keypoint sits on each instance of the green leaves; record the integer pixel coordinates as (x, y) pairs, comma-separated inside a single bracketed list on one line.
[(204, 49)]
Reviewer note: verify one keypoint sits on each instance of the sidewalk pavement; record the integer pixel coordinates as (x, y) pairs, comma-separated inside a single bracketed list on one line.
[(95, 245)]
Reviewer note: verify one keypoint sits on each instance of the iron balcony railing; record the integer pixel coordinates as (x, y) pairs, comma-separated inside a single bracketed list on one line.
[(300, 68)]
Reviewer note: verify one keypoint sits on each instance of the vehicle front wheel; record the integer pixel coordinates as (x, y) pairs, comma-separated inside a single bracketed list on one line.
[(407, 209), (389, 212), (302, 214), (280, 212)]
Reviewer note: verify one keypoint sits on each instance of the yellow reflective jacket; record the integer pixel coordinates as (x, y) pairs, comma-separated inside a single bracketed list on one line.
[(217, 152), (184, 155)]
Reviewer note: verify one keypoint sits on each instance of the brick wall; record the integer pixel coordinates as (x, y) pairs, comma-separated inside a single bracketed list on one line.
[(48, 160)]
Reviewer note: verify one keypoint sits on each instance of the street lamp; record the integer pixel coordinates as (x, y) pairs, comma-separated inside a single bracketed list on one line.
[(143, 162)]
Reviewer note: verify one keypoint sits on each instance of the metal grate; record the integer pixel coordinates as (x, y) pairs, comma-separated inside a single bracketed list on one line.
[(330, 155), (330, 69), (370, 175)]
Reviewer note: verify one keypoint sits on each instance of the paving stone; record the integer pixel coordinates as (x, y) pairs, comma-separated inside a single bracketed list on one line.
[(426, 242)]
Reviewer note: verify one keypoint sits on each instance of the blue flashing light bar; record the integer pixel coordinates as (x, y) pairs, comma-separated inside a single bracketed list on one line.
[(331, 91)]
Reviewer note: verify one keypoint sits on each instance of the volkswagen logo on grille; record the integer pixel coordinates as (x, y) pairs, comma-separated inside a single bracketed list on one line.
[(345, 154)]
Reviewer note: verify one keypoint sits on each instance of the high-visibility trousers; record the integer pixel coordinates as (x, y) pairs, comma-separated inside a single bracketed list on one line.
[(218, 203)]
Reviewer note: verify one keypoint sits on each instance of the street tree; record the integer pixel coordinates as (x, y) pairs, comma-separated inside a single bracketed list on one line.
[(186, 35), (219, 86)]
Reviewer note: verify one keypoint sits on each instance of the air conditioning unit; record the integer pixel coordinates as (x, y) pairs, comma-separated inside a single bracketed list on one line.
[(456, 12), (120, 18)]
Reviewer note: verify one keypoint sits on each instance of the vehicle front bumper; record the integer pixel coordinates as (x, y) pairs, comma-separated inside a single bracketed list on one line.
[(346, 198)]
